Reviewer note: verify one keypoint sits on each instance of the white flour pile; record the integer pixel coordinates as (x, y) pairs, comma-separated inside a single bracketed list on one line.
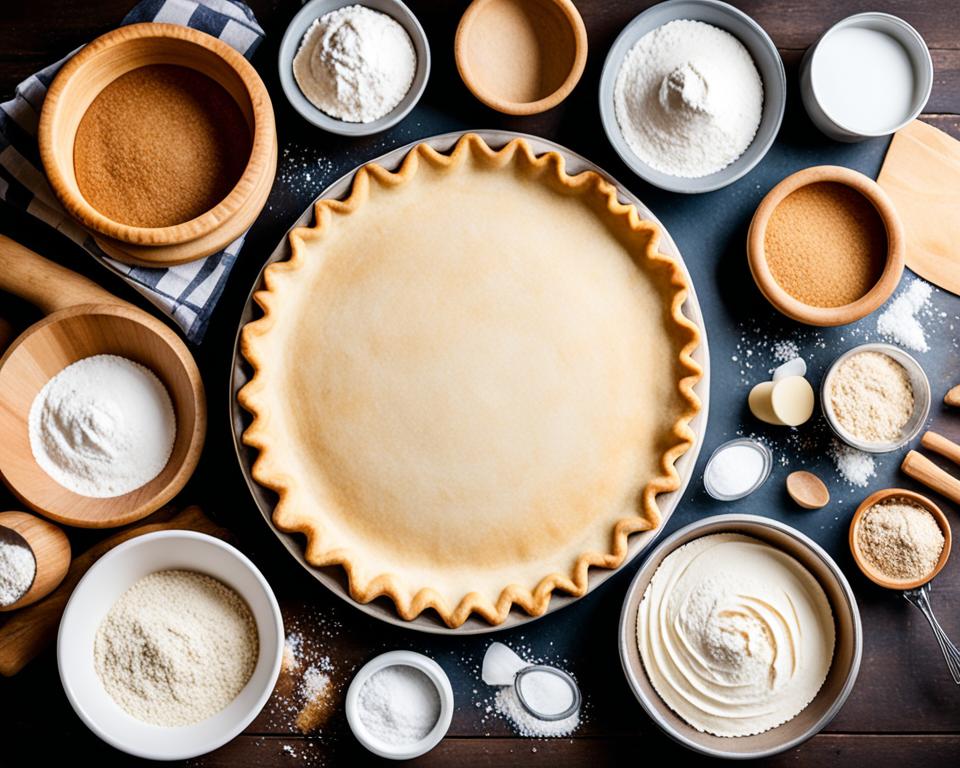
[(901, 322), (176, 648), (18, 567), (355, 64), (688, 98), (103, 426)]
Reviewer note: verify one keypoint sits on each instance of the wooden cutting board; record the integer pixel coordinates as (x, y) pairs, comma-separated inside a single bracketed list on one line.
[(30, 630), (921, 173)]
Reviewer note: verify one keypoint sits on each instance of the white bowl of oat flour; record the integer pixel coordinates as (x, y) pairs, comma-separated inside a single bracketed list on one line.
[(692, 95), (170, 645)]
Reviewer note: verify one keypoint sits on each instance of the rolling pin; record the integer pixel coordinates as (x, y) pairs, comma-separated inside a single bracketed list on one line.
[(921, 469), (29, 630), (942, 445), (953, 397)]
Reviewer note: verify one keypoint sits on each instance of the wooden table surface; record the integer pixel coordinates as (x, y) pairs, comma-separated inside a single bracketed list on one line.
[(903, 711)]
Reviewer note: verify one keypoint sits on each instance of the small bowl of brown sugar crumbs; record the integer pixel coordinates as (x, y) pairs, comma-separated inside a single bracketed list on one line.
[(899, 539), (875, 397), (826, 246)]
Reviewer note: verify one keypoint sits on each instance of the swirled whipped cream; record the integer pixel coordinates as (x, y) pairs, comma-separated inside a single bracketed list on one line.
[(736, 636)]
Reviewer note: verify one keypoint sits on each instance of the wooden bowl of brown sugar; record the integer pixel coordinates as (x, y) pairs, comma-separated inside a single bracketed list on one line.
[(160, 140), (826, 246)]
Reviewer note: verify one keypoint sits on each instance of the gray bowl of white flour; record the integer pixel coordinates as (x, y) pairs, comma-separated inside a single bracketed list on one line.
[(692, 95), (353, 69)]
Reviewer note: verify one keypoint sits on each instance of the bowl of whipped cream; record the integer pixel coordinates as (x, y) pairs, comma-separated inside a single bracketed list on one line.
[(692, 95), (740, 637)]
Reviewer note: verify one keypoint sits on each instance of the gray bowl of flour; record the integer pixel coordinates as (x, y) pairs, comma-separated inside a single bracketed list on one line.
[(294, 36), (709, 163)]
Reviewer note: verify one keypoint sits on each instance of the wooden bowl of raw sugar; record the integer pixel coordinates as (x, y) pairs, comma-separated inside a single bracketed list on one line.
[(160, 140), (888, 494), (829, 286), (521, 57)]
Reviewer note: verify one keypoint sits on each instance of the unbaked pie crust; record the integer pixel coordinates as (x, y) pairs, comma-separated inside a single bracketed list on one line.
[(471, 380)]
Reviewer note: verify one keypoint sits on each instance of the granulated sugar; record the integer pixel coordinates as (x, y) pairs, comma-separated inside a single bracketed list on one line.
[(17, 569), (902, 320), (495, 703), (855, 466), (525, 724)]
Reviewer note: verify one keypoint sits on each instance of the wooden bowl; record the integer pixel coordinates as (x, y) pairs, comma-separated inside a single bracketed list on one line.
[(114, 54), (51, 550), (85, 320), (885, 495), (495, 39), (790, 305), (847, 652)]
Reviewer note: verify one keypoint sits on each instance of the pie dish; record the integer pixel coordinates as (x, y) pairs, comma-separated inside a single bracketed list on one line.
[(471, 380)]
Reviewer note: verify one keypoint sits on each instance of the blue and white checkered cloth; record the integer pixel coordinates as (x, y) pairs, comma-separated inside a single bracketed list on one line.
[(188, 292)]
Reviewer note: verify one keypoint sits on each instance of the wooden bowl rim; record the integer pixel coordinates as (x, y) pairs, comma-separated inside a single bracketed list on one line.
[(257, 163), (920, 500), (196, 438), (790, 305), (521, 108)]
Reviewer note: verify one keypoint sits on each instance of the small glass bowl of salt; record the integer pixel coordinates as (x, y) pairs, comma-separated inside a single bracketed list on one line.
[(400, 705), (736, 469)]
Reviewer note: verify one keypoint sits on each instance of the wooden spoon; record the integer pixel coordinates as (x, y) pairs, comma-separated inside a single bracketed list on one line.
[(84, 320), (51, 550), (807, 490)]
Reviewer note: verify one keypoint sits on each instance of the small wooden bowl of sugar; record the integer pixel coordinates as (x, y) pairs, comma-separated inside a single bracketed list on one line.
[(893, 561)]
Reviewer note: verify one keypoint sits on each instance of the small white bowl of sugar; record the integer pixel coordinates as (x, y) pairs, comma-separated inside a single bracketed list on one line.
[(400, 704)]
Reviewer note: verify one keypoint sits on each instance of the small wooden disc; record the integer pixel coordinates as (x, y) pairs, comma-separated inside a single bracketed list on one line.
[(807, 490)]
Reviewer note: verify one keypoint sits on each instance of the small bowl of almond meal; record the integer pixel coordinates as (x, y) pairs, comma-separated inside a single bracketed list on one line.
[(170, 645), (875, 397), (899, 539)]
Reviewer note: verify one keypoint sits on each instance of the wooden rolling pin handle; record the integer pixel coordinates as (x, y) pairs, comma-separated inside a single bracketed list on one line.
[(46, 285), (921, 469), (940, 444)]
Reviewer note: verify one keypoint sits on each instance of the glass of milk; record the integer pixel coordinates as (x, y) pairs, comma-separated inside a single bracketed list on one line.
[(868, 75)]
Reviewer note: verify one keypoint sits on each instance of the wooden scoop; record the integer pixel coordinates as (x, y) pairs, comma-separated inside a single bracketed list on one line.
[(84, 320), (51, 551)]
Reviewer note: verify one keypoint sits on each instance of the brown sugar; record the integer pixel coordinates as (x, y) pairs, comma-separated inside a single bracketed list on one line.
[(826, 245), (160, 145)]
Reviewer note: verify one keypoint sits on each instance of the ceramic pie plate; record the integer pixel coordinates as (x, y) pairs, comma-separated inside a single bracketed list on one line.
[(333, 577)]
